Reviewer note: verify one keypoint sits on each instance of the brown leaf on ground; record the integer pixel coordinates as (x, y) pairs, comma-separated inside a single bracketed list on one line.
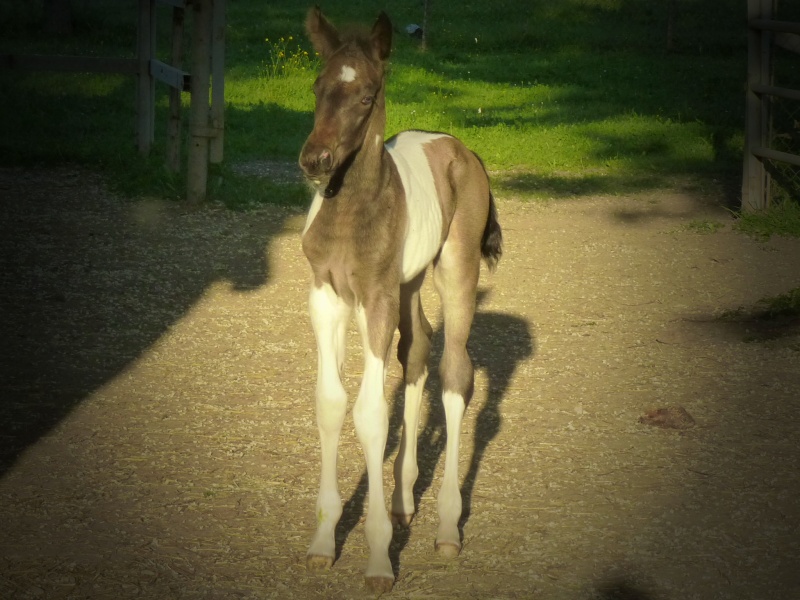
[(670, 417)]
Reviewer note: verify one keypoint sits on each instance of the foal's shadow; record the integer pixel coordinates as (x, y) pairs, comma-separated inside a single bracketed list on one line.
[(498, 344)]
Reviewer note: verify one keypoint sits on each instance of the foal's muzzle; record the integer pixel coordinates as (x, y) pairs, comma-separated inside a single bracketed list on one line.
[(316, 161)]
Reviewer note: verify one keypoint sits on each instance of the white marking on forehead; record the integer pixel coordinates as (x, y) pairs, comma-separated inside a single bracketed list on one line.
[(348, 74)]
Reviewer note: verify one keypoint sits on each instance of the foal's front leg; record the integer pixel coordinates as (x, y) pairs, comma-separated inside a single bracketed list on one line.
[(371, 418), (329, 317)]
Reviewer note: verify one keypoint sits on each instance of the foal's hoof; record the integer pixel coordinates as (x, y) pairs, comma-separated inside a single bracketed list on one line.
[(448, 549), (402, 520), (316, 562), (379, 585)]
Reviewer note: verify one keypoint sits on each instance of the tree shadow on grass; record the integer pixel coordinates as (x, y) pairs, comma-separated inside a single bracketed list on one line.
[(498, 344), (574, 185)]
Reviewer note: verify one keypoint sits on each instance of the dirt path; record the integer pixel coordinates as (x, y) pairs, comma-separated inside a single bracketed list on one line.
[(158, 437)]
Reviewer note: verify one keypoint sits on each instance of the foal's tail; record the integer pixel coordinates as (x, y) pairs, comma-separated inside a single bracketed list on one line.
[(492, 240)]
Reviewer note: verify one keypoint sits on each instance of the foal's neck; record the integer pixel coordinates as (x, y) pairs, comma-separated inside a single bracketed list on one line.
[(369, 166)]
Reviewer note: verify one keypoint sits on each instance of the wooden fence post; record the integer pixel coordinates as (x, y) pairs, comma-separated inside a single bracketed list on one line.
[(218, 82), (208, 46), (209, 35), (174, 123), (756, 179), (765, 70), (197, 172), (145, 83)]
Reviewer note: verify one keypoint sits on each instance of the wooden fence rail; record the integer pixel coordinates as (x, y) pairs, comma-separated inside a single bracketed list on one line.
[(763, 33), (207, 119)]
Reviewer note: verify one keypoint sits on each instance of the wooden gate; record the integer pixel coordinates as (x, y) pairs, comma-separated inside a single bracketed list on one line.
[(761, 151), (206, 118)]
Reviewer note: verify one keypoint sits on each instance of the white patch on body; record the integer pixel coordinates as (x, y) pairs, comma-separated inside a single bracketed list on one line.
[(424, 232), (348, 74)]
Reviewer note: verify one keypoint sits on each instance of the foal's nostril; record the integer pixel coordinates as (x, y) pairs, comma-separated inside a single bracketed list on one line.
[(325, 160), (316, 162)]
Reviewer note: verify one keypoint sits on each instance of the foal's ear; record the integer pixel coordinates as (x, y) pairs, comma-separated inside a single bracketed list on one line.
[(382, 37), (322, 34)]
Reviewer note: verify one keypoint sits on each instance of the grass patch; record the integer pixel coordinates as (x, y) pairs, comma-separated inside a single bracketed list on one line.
[(781, 219), (784, 305), (703, 226), (577, 97), (769, 308), (770, 318)]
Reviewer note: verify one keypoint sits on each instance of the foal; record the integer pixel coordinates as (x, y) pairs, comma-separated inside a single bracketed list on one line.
[(381, 214)]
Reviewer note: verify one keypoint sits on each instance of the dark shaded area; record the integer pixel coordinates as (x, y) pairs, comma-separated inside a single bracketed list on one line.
[(498, 344), (111, 26), (266, 130), (85, 124), (620, 589), (90, 281), (62, 117), (747, 327), (58, 19)]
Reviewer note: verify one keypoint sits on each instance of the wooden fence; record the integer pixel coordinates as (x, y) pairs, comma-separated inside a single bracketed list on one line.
[(206, 117), (764, 34)]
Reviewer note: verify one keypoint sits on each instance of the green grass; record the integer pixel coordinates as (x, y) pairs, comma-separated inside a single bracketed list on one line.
[(782, 310), (559, 98), (781, 219), (703, 226), (784, 305)]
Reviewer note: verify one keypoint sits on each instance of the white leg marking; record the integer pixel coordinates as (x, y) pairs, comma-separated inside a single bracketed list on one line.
[(448, 541), (329, 317), (348, 74), (405, 465), (371, 419)]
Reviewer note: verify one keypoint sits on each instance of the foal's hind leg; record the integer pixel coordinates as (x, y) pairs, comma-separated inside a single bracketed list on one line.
[(412, 352), (456, 279), (329, 317)]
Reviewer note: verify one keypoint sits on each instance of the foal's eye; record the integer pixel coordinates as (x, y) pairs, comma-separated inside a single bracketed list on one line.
[(367, 100)]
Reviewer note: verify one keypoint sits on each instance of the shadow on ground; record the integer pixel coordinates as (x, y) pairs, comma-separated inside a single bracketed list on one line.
[(92, 280)]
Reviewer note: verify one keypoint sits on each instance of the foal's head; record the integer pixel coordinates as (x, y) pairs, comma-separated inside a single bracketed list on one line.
[(349, 93)]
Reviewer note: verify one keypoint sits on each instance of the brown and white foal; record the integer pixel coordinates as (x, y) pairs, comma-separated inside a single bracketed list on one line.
[(381, 214)]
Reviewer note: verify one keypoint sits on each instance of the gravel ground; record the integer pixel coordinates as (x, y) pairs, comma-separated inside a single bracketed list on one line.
[(158, 436)]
